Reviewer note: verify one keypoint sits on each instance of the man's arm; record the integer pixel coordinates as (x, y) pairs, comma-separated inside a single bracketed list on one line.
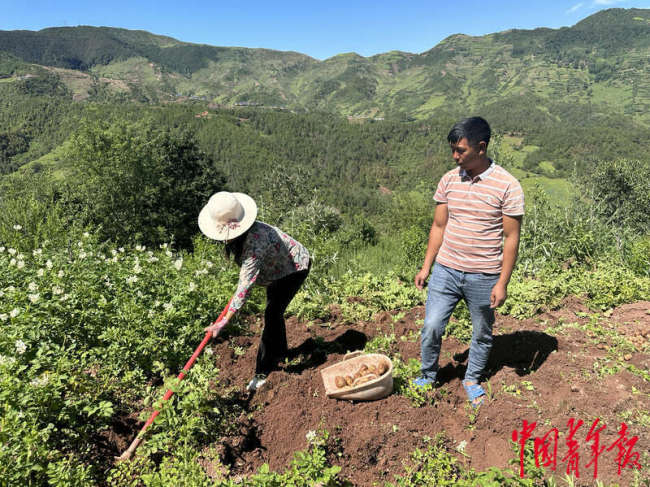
[(440, 218), (511, 232)]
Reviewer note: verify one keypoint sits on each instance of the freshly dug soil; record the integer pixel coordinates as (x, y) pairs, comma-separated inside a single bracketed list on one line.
[(533, 376)]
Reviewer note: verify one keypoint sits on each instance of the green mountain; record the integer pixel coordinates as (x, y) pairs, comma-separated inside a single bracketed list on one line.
[(601, 63)]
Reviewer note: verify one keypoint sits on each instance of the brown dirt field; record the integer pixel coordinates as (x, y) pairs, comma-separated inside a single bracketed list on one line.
[(545, 370), (371, 440)]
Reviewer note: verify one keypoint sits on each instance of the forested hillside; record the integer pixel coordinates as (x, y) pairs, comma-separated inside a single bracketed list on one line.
[(600, 63)]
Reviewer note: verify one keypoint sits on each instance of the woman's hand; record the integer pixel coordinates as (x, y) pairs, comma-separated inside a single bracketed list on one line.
[(216, 327)]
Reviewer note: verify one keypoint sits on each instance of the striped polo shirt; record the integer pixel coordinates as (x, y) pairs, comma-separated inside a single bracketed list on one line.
[(473, 238)]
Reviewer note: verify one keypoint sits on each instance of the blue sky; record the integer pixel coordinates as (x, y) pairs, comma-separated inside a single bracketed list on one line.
[(320, 29)]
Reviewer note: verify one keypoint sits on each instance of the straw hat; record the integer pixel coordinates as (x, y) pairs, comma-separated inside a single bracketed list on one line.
[(227, 215)]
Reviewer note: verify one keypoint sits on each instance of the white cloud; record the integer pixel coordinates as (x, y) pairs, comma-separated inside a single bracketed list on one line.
[(575, 7)]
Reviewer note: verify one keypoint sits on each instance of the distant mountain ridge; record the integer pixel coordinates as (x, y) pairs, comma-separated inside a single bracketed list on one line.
[(602, 62)]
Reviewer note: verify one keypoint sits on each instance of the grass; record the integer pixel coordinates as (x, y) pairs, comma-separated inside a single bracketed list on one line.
[(514, 148), (378, 259), (559, 190)]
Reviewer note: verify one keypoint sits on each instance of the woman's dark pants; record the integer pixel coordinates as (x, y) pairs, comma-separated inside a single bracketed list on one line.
[(273, 346)]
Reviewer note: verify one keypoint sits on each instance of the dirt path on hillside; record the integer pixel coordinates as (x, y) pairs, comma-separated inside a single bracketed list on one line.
[(536, 376)]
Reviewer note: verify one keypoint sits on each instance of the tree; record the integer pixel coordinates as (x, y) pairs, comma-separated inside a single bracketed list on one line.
[(622, 192), (140, 183)]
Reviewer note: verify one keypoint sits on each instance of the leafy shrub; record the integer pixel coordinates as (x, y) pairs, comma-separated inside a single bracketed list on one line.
[(359, 297), (605, 285), (140, 183), (621, 190), (637, 256)]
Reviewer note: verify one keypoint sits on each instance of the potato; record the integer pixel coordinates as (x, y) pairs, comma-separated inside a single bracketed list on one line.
[(382, 368), (364, 379), (349, 380), (339, 381), (372, 369)]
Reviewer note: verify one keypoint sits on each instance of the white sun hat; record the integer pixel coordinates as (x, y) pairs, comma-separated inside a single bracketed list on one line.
[(227, 215)]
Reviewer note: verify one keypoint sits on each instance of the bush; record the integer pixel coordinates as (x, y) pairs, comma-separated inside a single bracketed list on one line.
[(621, 190), (140, 183)]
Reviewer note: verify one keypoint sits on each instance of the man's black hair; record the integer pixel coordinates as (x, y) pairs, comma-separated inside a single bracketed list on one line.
[(474, 129)]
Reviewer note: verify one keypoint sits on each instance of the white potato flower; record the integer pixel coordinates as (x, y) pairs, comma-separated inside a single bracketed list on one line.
[(21, 347), (18, 227), (4, 317), (178, 264), (34, 297), (12, 251), (20, 264), (40, 273), (14, 312), (40, 381), (32, 286)]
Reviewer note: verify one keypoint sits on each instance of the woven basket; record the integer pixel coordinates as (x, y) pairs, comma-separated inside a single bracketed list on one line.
[(372, 390)]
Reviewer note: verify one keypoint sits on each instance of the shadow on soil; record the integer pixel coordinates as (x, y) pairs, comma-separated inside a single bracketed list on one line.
[(314, 351), (524, 351)]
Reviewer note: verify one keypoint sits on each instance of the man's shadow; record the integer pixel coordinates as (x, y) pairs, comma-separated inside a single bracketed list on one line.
[(525, 351), (314, 351)]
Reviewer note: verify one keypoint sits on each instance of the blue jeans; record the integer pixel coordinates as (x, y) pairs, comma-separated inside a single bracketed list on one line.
[(446, 287)]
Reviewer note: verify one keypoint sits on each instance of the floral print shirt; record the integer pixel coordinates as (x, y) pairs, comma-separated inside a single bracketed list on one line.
[(269, 254)]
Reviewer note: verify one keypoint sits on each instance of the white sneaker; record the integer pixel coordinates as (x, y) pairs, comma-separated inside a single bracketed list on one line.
[(258, 381)]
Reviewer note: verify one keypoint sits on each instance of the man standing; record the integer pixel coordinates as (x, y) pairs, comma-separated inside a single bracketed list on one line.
[(474, 241)]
